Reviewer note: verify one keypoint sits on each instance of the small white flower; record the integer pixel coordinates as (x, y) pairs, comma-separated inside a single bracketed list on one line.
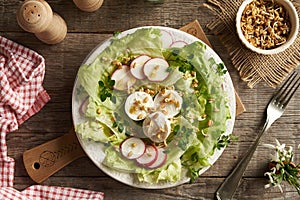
[(280, 188), (269, 174), (280, 148), (277, 142), (278, 166), (271, 146), (267, 185), (280, 159), (274, 157)]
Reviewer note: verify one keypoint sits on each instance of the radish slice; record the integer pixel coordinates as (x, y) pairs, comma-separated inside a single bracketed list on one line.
[(161, 159), (123, 78), (138, 105), (149, 157), (157, 127), (167, 39), (83, 106), (136, 66), (178, 44), (132, 148), (168, 102), (156, 69)]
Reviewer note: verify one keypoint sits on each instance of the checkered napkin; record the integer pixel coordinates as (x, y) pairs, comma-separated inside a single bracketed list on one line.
[(22, 95)]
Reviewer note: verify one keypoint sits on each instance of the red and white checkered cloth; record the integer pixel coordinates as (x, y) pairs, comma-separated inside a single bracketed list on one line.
[(22, 95)]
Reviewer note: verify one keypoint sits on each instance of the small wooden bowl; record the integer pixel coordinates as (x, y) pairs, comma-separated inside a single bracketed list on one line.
[(294, 27)]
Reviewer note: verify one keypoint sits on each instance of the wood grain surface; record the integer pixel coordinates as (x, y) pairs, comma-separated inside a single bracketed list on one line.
[(85, 31)]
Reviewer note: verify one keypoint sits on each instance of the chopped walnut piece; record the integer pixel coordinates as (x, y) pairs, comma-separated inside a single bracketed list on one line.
[(265, 24)]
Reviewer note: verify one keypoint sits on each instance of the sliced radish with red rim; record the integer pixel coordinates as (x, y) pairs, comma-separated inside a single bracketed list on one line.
[(83, 106), (123, 78), (132, 148), (167, 39), (137, 65), (149, 157), (156, 69), (161, 159), (178, 44)]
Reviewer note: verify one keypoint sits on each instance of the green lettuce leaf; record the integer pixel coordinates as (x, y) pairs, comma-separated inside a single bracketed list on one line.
[(170, 173), (143, 41), (95, 131)]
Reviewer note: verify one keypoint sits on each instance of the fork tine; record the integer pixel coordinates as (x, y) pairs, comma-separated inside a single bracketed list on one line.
[(292, 91), (283, 87), (287, 90)]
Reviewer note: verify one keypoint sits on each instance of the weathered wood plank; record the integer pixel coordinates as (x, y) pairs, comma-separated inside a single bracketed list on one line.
[(204, 188), (114, 15)]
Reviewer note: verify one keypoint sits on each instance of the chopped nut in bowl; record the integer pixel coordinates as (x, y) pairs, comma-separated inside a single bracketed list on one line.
[(267, 26)]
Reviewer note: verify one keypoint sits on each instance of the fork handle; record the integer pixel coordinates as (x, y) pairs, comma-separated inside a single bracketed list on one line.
[(228, 187)]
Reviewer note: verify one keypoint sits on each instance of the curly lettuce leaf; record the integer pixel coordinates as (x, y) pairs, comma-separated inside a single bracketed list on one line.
[(208, 101), (170, 173), (142, 41), (95, 131)]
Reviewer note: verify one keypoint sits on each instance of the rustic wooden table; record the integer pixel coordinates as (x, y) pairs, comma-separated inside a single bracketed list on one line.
[(85, 31)]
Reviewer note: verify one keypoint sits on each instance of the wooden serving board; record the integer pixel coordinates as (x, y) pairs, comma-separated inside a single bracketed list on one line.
[(46, 159)]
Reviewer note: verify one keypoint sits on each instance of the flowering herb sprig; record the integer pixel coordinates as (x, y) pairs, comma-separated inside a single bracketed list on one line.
[(282, 167)]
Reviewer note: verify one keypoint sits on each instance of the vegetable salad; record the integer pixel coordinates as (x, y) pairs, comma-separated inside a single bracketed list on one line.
[(160, 111)]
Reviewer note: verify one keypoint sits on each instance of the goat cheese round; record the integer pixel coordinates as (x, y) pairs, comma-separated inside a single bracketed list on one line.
[(168, 102), (138, 105), (157, 127)]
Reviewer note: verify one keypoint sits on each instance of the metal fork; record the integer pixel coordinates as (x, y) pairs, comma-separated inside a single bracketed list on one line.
[(275, 110)]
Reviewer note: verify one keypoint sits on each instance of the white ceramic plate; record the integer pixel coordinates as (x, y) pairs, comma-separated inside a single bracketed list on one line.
[(95, 151)]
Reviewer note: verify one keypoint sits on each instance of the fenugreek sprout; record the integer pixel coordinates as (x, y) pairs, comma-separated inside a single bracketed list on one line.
[(265, 24)]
